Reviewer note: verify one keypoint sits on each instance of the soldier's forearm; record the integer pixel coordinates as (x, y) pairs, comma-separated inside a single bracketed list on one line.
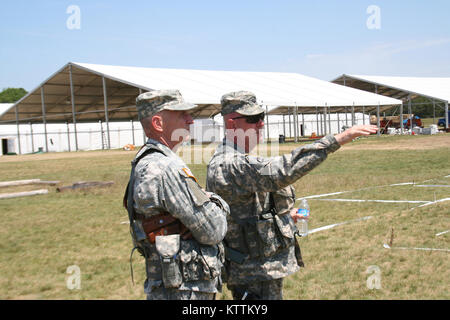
[(212, 225), (287, 169)]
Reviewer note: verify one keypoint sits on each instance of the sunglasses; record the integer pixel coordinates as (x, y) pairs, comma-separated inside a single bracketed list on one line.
[(252, 119)]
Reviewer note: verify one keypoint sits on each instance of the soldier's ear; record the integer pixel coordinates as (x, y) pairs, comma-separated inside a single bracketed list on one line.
[(231, 124), (157, 123)]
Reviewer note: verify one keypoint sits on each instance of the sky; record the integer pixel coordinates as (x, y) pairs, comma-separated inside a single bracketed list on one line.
[(322, 39)]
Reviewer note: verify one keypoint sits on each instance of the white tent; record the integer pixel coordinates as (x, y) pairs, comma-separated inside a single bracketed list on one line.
[(81, 92), (271, 88), (436, 89), (5, 107)]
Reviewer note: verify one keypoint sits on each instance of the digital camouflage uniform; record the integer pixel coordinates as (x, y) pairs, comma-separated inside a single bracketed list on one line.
[(176, 268), (266, 241)]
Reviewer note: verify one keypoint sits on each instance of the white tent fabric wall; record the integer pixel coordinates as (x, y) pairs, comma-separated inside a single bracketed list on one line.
[(7, 145), (203, 131), (207, 130), (89, 136), (276, 126)]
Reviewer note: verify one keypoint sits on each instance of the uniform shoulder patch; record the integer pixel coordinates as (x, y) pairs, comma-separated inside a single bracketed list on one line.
[(188, 172), (198, 195)]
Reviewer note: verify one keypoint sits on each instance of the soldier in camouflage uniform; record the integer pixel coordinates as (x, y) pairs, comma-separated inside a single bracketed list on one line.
[(175, 225), (260, 245)]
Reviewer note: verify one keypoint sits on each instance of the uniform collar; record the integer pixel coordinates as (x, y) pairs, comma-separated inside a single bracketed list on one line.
[(227, 144), (162, 147)]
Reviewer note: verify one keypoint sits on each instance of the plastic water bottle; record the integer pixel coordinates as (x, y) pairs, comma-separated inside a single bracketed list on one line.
[(302, 223)]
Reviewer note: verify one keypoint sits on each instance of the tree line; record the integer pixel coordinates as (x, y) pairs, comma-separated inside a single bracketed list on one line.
[(11, 95)]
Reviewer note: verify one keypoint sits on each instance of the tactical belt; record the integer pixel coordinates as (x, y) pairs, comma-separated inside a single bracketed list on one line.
[(163, 224)]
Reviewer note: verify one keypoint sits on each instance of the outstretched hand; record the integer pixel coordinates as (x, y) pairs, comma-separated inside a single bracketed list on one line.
[(354, 132)]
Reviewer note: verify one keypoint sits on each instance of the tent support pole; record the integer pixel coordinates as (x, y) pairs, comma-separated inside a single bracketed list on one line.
[(339, 126), (267, 120), (363, 114), (290, 122), (317, 123), (32, 138), (18, 129), (72, 98), (68, 136), (401, 118), (346, 117), (284, 126), (410, 114), (353, 114), (325, 120), (295, 125), (105, 101), (101, 134), (378, 120), (132, 131), (44, 119), (303, 125), (329, 120)]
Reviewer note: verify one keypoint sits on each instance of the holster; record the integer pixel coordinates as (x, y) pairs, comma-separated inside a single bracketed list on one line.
[(163, 224)]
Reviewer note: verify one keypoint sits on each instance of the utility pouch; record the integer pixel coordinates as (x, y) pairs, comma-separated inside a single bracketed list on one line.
[(298, 254), (168, 247), (138, 231), (286, 227), (200, 262), (249, 240), (234, 255), (268, 235)]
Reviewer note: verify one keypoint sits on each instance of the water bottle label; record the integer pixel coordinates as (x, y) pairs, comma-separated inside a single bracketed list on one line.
[(303, 212)]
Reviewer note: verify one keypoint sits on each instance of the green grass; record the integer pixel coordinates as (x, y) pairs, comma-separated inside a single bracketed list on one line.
[(43, 235)]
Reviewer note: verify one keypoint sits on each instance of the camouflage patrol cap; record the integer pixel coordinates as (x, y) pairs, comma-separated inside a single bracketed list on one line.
[(242, 102), (150, 103)]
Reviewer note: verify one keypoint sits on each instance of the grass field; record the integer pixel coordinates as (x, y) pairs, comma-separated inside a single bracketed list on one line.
[(41, 236)]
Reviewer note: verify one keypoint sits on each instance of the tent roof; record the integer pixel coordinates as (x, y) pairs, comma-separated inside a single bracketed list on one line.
[(4, 107), (203, 87), (400, 87)]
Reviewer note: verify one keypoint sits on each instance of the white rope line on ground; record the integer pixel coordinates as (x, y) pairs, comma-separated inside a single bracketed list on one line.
[(432, 202), (441, 233), (387, 185), (386, 201), (338, 224), (341, 192), (433, 185), (406, 248), (323, 195)]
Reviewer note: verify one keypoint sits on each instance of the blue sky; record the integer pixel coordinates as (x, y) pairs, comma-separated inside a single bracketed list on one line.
[(322, 39)]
